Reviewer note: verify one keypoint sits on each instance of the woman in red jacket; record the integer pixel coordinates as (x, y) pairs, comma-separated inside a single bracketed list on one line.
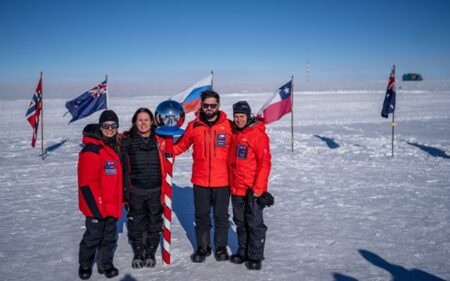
[(100, 194), (249, 163)]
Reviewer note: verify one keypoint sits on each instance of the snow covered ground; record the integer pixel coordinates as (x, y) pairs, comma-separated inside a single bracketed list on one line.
[(345, 209)]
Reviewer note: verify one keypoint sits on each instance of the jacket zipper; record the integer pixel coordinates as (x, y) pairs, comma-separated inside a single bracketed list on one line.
[(209, 174), (214, 140)]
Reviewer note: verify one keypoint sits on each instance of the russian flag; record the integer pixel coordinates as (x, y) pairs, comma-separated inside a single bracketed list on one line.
[(278, 105), (190, 98)]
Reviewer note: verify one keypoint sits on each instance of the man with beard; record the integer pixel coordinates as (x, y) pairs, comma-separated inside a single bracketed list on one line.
[(210, 134)]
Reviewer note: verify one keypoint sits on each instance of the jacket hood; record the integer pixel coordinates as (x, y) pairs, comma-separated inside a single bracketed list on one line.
[(92, 131)]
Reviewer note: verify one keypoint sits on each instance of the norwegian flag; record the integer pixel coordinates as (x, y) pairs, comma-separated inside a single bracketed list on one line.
[(91, 101), (34, 111), (389, 98)]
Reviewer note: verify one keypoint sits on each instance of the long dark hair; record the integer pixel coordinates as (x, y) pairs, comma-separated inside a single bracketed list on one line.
[(133, 132)]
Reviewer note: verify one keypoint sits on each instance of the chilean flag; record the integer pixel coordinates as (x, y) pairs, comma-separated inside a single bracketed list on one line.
[(190, 98), (278, 105)]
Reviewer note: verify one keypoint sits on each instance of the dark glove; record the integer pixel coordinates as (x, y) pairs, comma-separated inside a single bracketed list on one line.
[(126, 195), (266, 200)]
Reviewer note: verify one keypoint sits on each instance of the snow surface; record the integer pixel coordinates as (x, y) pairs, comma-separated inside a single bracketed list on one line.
[(345, 209)]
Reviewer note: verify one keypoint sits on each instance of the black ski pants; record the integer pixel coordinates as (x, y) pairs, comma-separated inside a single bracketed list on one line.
[(219, 199), (100, 235), (145, 220), (250, 227)]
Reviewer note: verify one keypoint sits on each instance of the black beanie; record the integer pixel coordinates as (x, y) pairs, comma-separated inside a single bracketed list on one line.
[(242, 107), (108, 115)]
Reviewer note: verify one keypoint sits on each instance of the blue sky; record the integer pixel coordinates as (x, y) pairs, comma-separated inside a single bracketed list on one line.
[(242, 41)]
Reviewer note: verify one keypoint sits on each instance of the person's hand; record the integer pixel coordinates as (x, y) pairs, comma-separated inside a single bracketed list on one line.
[(265, 200)]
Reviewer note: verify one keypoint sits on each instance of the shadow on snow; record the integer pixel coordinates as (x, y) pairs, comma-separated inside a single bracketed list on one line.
[(183, 207), (128, 277), (399, 273), (329, 141), (52, 148), (433, 151)]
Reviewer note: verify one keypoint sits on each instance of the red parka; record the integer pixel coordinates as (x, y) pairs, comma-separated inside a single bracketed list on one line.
[(99, 177), (210, 153), (250, 160)]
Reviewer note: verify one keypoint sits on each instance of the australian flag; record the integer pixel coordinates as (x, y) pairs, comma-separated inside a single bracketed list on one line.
[(89, 102), (389, 99)]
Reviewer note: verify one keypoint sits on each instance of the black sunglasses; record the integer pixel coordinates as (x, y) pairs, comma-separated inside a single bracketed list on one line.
[(109, 126), (211, 105)]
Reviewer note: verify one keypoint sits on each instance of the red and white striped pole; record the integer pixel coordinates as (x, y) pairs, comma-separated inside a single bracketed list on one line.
[(168, 200), (169, 116)]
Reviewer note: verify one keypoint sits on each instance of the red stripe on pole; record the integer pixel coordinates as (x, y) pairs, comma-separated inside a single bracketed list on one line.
[(168, 193)]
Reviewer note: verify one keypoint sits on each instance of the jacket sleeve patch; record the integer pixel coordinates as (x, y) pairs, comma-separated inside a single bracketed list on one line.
[(90, 201)]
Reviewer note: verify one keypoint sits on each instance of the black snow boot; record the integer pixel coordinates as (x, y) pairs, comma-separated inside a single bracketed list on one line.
[(237, 259), (150, 260), (84, 272), (137, 262), (221, 254), (138, 259), (110, 272), (200, 255), (254, 265)]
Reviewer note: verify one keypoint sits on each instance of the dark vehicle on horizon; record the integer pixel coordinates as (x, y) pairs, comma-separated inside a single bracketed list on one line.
[(412, 77)]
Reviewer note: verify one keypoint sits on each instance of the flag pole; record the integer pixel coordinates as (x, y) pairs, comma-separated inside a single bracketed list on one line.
[(393, 124), (212, 79), (42, 119), (393, 127), (107, 98), (292, 115)]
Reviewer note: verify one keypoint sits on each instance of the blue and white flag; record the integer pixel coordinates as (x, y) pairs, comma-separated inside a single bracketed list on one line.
[(89, 102), (389, 98)]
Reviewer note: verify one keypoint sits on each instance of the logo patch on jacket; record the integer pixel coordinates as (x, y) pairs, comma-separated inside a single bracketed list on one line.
[(111, 167), (242, 151), (221, 139)]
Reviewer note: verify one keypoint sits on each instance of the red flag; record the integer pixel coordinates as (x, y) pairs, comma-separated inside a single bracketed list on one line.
[(34, 111), (278, 105)]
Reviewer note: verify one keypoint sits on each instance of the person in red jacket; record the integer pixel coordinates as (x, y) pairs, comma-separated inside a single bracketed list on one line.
[(144, 154), (100, 194), (250, 163), (210, 135)]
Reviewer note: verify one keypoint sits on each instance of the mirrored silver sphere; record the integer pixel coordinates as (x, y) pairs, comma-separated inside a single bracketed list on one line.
[(170, 115)]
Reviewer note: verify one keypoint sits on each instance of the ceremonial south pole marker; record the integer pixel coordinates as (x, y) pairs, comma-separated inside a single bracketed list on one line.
[(169, 116)]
